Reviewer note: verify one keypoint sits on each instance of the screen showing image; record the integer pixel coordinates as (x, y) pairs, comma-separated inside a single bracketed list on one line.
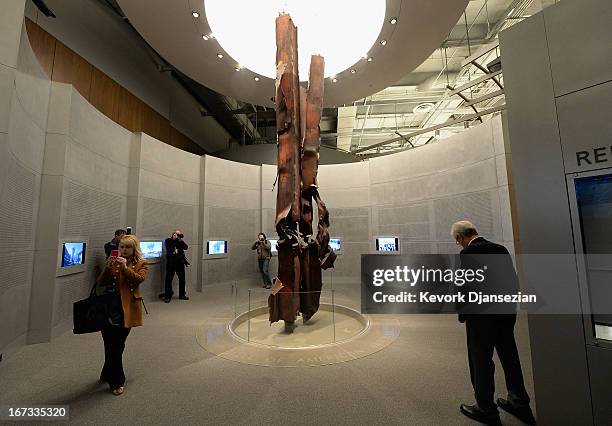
[(73, 254), (594, 199), (216, 247), (335, 244), (151, 249), (389, 244), (274, 246)]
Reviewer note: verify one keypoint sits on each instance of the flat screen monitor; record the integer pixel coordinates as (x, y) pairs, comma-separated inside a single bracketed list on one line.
[(387, 244), (216, 247), (151, 249), (594, 202), (274, 246), (73, 254), (335, 244)]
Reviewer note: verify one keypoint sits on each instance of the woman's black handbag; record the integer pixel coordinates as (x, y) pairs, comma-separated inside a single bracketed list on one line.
[(91, 314)]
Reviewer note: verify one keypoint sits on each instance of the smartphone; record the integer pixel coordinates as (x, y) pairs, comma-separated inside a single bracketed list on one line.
[(114, 253), (128, 230)]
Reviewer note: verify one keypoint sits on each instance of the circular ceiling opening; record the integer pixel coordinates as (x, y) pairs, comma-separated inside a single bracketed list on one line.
[(343, 32)]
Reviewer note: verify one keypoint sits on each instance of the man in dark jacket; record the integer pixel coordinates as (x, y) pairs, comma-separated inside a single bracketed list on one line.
[(175, 263), (490, 326), (114, 243), (264, 253)]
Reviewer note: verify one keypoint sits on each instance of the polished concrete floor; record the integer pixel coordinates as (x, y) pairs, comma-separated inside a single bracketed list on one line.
[(421, 378)]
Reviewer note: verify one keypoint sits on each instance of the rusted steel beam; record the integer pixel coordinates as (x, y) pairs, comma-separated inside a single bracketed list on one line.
[(310, 159), (301, 255), (285, 304), (288, 120), (312, 280), (314, 108)]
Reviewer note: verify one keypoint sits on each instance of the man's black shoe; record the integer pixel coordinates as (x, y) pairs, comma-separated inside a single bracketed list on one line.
[(184, 297), (523, 413), (475, 413), (166, 300)]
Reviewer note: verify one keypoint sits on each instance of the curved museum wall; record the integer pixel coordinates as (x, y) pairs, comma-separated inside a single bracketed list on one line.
[(24, 99), (415, 195), (69, 172)]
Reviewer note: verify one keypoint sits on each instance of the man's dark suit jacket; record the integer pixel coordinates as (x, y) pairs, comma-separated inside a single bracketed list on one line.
[(500, 277), (177, 258)]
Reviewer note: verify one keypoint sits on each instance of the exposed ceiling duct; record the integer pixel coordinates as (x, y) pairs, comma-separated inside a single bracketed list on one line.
[(462, 80)]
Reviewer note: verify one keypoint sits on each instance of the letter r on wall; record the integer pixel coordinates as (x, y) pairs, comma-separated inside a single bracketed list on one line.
[(582, 155)]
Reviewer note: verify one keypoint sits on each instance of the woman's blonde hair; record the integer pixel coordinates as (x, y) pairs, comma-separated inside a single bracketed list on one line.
[(132, 241)]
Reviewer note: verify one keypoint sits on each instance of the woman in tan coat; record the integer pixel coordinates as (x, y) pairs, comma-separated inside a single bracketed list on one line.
[(121, 278)]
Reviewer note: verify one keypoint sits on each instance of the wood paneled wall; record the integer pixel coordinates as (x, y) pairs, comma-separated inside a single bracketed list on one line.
[(66, 66)]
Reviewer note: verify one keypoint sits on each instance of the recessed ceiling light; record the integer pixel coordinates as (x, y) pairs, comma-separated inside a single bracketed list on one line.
[(370, 59), (204, 36), (353, 71), (256, 78), (219, 55), (334, 80), (195, 14), (383, 42), (393, 21), (237, 68)]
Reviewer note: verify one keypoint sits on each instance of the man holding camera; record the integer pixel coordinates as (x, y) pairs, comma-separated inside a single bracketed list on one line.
[(175, 263), (264, 253)]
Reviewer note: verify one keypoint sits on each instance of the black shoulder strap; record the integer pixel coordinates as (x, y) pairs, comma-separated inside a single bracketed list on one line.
[(93, 289)]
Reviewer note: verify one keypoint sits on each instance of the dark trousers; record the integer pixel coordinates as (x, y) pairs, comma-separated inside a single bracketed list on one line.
[(484, 334), (178, 269), (114, 343), (264, 264)]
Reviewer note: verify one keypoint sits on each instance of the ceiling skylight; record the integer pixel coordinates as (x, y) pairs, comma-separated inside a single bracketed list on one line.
[(340, 30)]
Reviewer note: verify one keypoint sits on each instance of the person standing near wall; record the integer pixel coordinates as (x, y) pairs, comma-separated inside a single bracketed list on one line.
[(114, 243), (175, 264), (490, 327), (121, 279), (264, 253)]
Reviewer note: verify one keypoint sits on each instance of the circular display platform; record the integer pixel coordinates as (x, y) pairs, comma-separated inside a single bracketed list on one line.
[(331, 324), (333, 335)]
